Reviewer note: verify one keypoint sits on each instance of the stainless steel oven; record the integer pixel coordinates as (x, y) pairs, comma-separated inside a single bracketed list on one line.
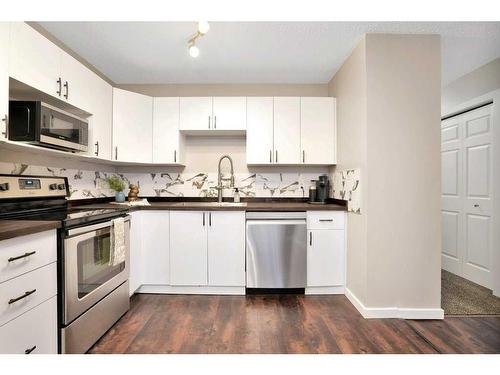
[(42, 124), (95, 285)]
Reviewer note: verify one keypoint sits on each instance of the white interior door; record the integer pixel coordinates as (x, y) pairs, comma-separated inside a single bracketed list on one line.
[(260, 130), (287, 130), (467, 186)]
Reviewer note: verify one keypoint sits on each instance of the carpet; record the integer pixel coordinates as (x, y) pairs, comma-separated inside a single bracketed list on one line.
[(463, 297)]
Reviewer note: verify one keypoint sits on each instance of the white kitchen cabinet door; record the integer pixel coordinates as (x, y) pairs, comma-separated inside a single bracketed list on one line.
[(229, 113), (317, 130), (167, 140), (136, 256), (195, 113), (226, 248), (101, 121), (132, 126), (77, 82), (4, 77), (287, 130), (34, 60), (155, 248), (260, 147), (188, 248), (325, 258)]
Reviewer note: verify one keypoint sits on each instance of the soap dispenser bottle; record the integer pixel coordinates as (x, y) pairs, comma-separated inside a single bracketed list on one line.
[(236, 195)]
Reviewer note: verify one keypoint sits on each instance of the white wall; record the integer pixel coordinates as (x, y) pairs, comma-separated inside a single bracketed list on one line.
[(388, 95), (476, 83)]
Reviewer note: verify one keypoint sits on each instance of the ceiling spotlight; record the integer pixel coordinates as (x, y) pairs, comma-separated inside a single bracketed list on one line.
[(194, 51), (203, 27)]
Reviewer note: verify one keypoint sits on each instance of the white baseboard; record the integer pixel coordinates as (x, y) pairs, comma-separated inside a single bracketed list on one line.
[(325, 290), (393, 312), (169, 289)]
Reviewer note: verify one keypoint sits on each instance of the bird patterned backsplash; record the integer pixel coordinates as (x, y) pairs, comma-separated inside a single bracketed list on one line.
[(85, 184)]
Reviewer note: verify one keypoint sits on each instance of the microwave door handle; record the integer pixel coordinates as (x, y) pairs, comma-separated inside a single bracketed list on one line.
[(29, 122)]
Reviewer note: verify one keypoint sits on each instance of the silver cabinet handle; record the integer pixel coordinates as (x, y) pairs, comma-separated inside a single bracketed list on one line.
[(325, 220), (310, 238), (116, 152), (203, 219), (476, 205), (66, 86), (175, 156), (210, 219), (276, 159), (270, 156), (59, 82), (215, 122), (6, 120), (209, 122), (303, 156), (25, 255), (96, 152)]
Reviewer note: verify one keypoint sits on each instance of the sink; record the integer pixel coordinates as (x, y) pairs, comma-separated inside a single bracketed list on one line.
[(210, 204)]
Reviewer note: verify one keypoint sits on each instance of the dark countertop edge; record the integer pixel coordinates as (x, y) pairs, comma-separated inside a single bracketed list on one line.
[(17, 228)]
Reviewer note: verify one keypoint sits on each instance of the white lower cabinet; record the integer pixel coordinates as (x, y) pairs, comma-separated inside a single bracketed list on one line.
[(326, 259), (34, 332), (155, 248), (226, 248)]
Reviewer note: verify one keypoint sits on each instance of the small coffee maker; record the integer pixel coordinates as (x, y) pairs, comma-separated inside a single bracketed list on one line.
[(318, 192)]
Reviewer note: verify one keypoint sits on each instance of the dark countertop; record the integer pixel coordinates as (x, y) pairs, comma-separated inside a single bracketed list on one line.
[(208, 206), (17, 228)]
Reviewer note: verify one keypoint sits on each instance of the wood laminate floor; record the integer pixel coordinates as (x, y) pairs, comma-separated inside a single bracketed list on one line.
[(284, 324)]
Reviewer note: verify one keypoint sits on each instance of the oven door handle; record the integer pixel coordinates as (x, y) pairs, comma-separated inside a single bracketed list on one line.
[(93, 228)]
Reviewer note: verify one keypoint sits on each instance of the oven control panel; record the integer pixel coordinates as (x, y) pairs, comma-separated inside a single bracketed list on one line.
[(15, 186)]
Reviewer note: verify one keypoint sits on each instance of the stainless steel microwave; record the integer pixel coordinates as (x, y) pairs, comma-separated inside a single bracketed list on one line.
[(44, 125)]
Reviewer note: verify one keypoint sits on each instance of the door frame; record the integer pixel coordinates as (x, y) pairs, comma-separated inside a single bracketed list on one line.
[(493, 96)]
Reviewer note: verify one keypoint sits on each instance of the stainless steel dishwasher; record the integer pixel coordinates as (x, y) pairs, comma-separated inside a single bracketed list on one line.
[(276, 249)]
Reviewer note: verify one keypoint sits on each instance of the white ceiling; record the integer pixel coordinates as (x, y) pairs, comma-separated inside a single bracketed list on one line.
[(257, 52)]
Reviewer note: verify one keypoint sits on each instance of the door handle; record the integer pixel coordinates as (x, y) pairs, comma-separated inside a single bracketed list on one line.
[(209, 122), (203, 219), (116, 152), (29, 350), (6, 120), (276, 159), (66, 86), (303, 156), (215, 122), (210, 219), (175, 156), (96, 148), (270, 156), (59, 82), (310, 238), (26, 294), (25, 255)]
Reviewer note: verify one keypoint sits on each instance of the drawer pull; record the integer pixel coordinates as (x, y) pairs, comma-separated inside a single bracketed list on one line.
[(28, 293), (25, 255), (28, 351), (325, 220)]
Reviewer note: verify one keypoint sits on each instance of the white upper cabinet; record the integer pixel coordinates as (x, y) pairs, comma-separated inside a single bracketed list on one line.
[(195, 113), (4, 78), (132, 126), (287, 130), (318, 130), (101, 121), (226, 248), (167, 140), (34, 60), (208, 114), (229, 113), (76, 82), (260, 143)]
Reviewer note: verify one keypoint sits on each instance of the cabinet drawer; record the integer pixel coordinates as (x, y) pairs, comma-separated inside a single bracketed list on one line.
[(33, 332), (38, 286), (325, 220), (33, 251)]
